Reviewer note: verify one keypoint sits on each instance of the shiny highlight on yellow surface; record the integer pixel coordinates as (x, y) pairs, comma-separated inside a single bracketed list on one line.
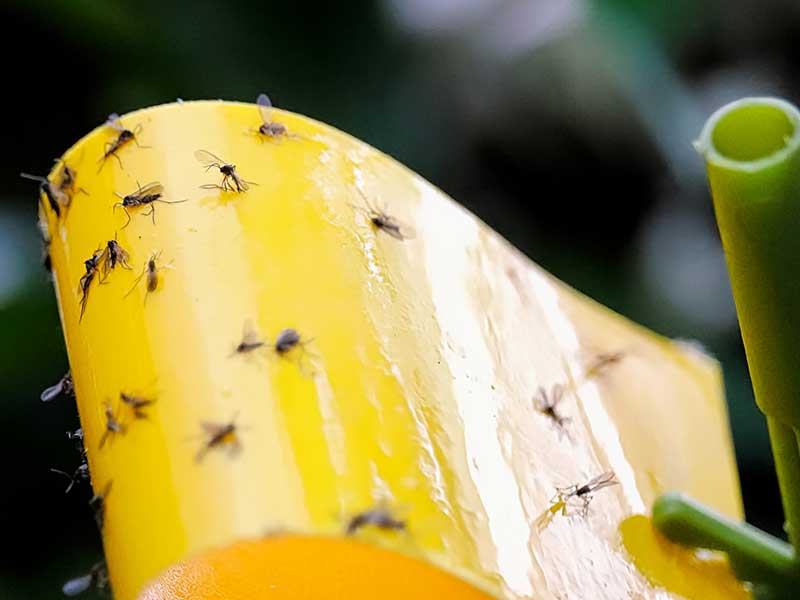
[(411, 392)]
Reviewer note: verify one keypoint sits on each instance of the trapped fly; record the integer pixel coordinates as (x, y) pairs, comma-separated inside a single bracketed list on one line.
[(66, 181), (269, 128), (85, 282), (287, 340), (113, 255), (137, 404), (113, 426), (146, 195), (547, 405), (77, 438), (80, 474), (124, 137), (97, 577), (151, 270), (383, 221), (231, 180), (59, 192), (98, 505), (250, 340), (219, 435), (56, 198), (584, 492), (64, 386), (67, 177), (379, 518)]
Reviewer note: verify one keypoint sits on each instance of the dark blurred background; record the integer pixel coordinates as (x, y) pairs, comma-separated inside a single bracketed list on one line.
[(564, 124)]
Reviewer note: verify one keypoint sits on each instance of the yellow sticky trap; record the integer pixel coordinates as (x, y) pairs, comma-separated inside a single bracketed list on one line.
[(425, 338)]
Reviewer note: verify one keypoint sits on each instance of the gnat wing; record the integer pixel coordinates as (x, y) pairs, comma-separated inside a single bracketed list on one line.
[(556, 393), (249, 333), (264, 108), (52, 392), (206, 158), (114, 122), (77, 586), (398, 229), (150, 188), (540, 399), (212, 429), (602, 481), (243, 185)]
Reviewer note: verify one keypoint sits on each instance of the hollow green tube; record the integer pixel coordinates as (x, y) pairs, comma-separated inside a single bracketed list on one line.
[(752, 153)]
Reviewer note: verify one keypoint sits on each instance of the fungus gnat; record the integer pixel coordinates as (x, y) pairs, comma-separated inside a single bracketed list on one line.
[(64, 386), (113, 255), (98, 505), (85, 282), (146, 195), (80, 474), (547, 403), (67, 180), (112, 426), (76, 437), (151, 269), (383, 221), (250, 340), (379, 518), (287, 340), (218, 435), (60, 191), (97, 577), (124, 137), (67, 177), (582, 492), (269, 128), (56, 198), (228, 170), (137, 404)]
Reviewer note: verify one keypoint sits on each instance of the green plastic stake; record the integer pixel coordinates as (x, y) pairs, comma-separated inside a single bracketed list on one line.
[(752, 153), (753, 554)]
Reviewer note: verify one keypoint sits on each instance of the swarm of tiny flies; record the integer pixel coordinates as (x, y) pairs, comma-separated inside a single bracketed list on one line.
[(57, 195)]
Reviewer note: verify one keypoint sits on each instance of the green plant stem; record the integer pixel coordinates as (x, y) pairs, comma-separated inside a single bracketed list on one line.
[(754, 555), (787, 464)]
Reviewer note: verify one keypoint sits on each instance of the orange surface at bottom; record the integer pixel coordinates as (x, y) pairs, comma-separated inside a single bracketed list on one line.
[(305, 568)]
